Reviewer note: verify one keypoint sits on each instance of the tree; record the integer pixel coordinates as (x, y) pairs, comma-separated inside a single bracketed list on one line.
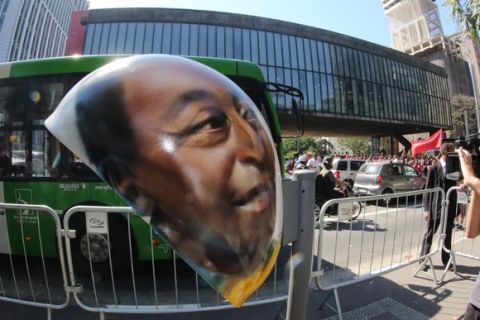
[(467, 15), (359, 145), (460, 103), (306, 144), (324, 146)]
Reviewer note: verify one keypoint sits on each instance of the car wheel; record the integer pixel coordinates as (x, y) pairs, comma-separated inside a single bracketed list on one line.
[(386, 202)]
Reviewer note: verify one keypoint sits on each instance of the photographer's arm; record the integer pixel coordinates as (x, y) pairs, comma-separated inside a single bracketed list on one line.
[(469, 177), (473, 213)]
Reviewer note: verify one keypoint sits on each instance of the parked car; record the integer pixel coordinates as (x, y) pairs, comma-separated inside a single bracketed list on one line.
[(346, 169), (375, 178)]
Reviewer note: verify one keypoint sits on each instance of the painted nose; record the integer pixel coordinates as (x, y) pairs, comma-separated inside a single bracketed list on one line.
[(250, 149)]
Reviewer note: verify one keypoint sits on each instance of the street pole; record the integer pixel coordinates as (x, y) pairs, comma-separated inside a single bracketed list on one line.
[(465, 119), (475, 97), (302, 247)]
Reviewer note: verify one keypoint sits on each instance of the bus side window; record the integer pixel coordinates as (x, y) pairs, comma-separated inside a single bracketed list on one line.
[(78, 169)]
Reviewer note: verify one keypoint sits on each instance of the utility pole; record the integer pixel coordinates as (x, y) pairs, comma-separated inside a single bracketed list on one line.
[(465, 120), (475, 96)]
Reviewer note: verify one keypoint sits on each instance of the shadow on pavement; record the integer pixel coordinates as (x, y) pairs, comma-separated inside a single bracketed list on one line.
[(366, 292)]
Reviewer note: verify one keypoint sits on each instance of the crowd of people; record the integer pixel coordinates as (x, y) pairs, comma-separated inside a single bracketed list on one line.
[(308, 160)]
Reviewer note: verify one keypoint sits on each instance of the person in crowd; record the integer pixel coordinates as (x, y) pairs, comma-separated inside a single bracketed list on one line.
[(301, 162), (313, 163), (5, 163), (326, 182), (192, 154), (432, 204), (471, 180)]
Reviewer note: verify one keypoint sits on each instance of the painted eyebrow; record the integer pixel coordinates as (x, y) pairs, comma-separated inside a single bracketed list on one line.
[(193, 96)]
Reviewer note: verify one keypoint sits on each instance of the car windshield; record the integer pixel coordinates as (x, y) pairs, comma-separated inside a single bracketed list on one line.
[(369, 168)]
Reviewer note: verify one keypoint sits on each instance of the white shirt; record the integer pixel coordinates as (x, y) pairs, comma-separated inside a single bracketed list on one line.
[(443, 162), (312, 163)]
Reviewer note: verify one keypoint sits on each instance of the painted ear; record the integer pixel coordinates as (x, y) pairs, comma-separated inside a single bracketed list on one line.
[(119, 176)]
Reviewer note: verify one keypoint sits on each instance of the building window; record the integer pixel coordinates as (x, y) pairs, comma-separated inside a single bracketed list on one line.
[(238, 44), (202, 40), (246, 45), (308, 54), (139, 38), (286, 51), (112, 38), (262, 47), (167, 38), (229, 43), (193, 46), (293, 51), (270, 49), (300, 54), (255, 49)]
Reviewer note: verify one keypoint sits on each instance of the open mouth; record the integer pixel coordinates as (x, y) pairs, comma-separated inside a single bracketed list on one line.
[(254, 200)]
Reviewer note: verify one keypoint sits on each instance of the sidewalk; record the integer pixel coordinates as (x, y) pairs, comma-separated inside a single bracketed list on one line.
[(399, 295), (396, 295)]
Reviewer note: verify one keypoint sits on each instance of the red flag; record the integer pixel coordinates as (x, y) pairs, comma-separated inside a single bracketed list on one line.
[(428, 144)]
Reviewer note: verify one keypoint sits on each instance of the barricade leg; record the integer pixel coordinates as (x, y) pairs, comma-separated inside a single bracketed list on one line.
[(338, 307), (324, 302), (337, 302), (430, 264)]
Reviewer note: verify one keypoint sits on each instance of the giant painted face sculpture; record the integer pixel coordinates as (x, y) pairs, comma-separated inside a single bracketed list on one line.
[(190, 152)]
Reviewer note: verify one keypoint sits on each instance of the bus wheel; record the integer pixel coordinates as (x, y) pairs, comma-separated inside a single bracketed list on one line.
[(96, 252)]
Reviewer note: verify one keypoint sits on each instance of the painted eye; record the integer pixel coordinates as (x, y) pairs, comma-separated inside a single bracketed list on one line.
[(217, 122), (246, 113), (213, 122)]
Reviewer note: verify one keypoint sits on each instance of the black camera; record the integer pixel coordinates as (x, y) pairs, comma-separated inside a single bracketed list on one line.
[(472, 145)]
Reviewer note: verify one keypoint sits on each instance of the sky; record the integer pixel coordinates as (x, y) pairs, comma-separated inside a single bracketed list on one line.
[(362, 19)]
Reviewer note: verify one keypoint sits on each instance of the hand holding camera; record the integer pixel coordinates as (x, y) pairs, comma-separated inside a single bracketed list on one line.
[(466, 164)]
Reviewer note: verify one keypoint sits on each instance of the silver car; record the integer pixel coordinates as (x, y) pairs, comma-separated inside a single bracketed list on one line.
[(375, 178)]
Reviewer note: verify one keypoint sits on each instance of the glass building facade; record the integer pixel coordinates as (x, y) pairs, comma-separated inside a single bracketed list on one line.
[(35, 29), (357, 82)]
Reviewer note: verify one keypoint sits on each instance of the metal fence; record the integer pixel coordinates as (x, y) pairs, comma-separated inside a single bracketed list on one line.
[(98, 265), (387, 235), (461, 246), (29, 274), (151, 286)]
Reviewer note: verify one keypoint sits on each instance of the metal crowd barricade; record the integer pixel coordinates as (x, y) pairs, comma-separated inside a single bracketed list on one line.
[(461, 246), (386, 236), (30, 272), (151, 286)]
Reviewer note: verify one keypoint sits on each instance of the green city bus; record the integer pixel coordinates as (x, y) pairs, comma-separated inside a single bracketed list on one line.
[(36, 169)]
